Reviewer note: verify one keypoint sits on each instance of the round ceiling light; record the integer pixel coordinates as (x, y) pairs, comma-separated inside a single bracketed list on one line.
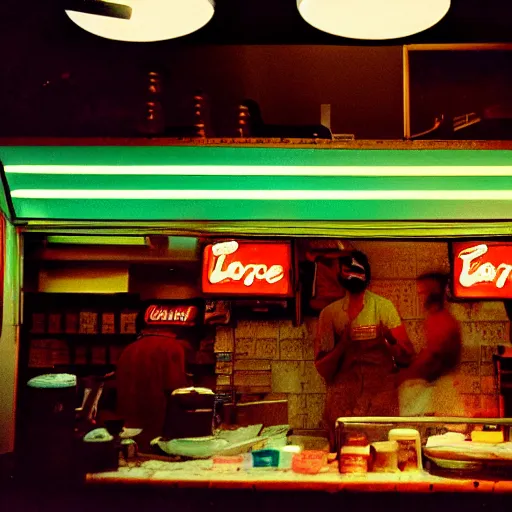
[(149, 20), (373, 19)]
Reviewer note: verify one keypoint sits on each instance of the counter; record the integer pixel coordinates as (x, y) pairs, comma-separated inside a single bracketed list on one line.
[(199, 474), (195, 487)]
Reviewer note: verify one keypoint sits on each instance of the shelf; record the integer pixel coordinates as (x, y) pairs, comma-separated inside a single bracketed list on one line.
[(80, 335)]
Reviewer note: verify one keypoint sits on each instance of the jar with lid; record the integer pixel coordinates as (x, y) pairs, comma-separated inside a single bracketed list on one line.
[(385, 457), (409, 448)]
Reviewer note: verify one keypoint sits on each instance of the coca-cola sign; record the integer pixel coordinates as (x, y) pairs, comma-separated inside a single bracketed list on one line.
[(247, 268), (166, 314), (482, 270)]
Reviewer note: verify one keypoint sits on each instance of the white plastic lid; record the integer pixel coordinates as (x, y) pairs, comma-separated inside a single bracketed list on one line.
[(187, 391), (385, 446), (403, 433), (355, 450), (291, 448), (53, 381)]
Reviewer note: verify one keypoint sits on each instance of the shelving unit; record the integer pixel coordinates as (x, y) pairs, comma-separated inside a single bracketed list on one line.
[(77, 333)]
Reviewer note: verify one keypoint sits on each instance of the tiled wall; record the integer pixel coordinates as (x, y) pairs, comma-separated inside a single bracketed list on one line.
[(275, 357)]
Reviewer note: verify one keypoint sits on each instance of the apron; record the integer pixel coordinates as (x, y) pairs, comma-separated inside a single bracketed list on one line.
[(364, 384)]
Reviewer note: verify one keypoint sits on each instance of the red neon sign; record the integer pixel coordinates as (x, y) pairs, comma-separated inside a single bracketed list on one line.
[(482, 270), (171, 315), (247, 268)]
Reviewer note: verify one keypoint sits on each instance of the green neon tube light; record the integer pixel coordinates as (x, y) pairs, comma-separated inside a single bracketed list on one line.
[(272, 195), (257, 170), (96, 240)]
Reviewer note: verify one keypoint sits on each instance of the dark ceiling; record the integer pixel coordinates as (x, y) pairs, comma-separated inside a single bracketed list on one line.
[(42, 26), (39, 45)]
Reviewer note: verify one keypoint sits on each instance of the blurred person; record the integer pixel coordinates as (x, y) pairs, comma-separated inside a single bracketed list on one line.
[(359, 343), (148, 371), (427, 386)]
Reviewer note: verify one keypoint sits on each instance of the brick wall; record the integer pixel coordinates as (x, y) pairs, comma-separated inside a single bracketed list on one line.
[(276, 357)]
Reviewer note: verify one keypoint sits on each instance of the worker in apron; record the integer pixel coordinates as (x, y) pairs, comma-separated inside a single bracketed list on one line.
[(429, 386), (360, 342)]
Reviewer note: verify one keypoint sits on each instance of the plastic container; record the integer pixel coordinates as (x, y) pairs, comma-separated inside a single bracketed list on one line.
[(265, 458), (309, 462), (409, 448), (354, 459), (286, 455), (228, 463), (385, 457)]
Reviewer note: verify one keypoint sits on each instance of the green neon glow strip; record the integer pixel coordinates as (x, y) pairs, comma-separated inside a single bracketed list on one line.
[(255, 170), (151, 182), (257, 183), (270, 195), (133, 156), (96, 240), (243, 210)]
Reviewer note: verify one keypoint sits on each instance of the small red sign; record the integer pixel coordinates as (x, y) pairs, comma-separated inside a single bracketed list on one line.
[(247, 268), (482, 270), (171, 315)]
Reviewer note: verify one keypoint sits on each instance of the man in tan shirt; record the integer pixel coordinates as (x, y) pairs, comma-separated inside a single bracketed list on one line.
[(359, 342)]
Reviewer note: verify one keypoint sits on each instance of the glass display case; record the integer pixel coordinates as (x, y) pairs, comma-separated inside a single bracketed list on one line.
[(444, 446)]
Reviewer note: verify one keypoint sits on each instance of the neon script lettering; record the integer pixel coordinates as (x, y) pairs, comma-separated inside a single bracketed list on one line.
[(166, 314), (237, 271), (474, 271)]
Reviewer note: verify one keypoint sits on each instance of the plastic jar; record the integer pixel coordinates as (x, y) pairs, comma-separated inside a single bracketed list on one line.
[(354, 459), (386, 457), (409, 448)]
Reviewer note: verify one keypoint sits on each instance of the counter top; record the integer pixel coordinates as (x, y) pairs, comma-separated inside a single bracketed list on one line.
[(200, 474)]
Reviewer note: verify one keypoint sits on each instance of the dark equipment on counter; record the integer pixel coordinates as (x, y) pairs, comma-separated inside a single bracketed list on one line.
[(251, 124), (45, 446), (189, 413)]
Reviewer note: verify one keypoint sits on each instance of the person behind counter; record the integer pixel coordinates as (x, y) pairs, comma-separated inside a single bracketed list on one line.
[(427, 386), (359, 341), (147, 372)]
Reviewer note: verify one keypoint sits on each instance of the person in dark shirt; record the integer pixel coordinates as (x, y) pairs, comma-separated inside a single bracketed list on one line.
[(148, 371)]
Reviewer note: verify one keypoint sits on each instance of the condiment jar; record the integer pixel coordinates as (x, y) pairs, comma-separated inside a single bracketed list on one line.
[(354, 459), (409, 448), (386, 457)]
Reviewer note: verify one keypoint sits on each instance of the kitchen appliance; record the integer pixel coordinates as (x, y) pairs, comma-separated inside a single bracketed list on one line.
[(46, 442), (190, 413)]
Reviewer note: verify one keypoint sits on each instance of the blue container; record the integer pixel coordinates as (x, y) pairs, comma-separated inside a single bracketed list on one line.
[(265, 458)]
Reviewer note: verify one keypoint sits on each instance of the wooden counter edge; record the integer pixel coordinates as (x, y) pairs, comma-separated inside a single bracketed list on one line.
[(422, 487)]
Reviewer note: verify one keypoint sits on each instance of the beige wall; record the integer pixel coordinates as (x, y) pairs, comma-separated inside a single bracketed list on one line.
[(277, 357), (9, 342)]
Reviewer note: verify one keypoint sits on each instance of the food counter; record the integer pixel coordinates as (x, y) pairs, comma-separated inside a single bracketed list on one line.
[(476, 471), (200, 474)]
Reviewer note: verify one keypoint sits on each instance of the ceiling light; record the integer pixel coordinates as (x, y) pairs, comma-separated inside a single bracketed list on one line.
[(150, 20), (268, 195), (373, 19), (260, 170), (100, 8)]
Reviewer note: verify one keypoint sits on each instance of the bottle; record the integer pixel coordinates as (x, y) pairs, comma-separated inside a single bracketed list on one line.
[(154, 119), (244, 121), (199, 123)]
